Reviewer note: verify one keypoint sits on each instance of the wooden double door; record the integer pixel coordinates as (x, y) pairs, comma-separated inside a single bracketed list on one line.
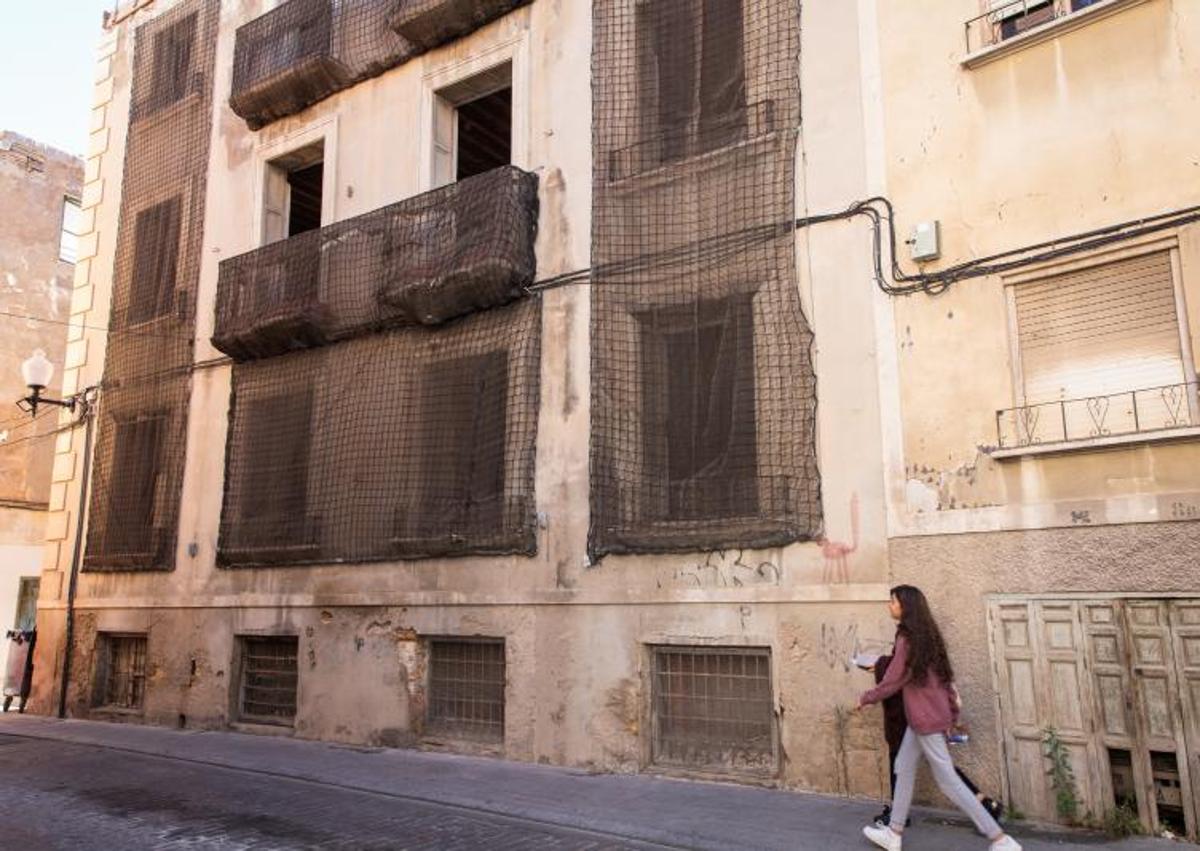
[(1118, 680)]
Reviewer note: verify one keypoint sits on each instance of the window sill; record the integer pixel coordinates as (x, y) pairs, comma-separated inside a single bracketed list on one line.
[(1047, 31), (1096, 443)]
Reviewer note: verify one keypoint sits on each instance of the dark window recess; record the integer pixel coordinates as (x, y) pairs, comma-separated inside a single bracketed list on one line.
[(155, 262), (698, 63), (137, 459), (712, 709), (1033, 16), (122, 674), (269, 677), (463, 429), (700, 442), (304, 208), (1076, 5), (172, 70), (484, 134), (1124, 787), (274, 462), (466, 688), (1168, 791)]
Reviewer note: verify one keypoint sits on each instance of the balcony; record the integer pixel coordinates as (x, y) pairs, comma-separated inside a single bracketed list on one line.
[(1011, 23), (431, 23), (1151, 413), (284, 61), (456, 250)]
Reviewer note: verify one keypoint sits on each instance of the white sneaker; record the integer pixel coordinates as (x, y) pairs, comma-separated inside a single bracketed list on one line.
[(885, 837), (1006, 843)]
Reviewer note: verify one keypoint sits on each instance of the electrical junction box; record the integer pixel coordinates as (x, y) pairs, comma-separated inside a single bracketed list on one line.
[(926, 241)]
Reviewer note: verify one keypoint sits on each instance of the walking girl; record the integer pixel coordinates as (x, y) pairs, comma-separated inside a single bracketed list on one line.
[(920, 671)]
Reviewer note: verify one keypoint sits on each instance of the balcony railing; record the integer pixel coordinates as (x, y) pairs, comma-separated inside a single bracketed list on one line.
[(430, 23), (1144, 411), (1006, 19), (455, 250)]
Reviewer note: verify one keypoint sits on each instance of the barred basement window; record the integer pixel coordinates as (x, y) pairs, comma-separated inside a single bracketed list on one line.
[(712, 709), (698, 407), (694, 75), (121, 672), (172, 70), (466, 688), (137, 459), (155, 262), (268, 679)]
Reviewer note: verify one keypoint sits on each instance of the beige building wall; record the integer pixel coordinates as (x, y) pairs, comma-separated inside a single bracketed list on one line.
[(577, 634), (35, 296), (1085, 125)]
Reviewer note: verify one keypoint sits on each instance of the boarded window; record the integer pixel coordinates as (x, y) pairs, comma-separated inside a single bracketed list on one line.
[(172, 62), (463, 430), (121, 674), (130, 514), (269, 678), (466, 688), (155, 260), (712, 709), (698, 406), (1099, 331), (696, 73), (273, 491)]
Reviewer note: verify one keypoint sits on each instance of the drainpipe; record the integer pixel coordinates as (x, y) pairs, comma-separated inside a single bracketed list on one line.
[(86, 398)]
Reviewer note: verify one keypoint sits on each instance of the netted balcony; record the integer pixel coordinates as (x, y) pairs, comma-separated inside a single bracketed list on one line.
[(430, 23), (460, 249)]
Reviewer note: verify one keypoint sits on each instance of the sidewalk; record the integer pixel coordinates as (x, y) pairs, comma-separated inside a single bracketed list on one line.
[(673, 813)]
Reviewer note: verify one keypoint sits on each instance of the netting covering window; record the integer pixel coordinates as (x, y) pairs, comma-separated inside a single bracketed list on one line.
[(269, 677), (402, 444), (305, 50), (712, 709), (424, 260), (703, 411), (142, 426), (121, 671), (466, 688)]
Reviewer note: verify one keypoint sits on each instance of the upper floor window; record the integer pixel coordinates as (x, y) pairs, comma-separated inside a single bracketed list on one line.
[(1004, 19), (472, 125), (155, 261), (68, 240), (1100, 351), (172, 69)]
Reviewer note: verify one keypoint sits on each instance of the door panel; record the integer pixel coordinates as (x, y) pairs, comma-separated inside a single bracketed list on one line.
[(1185, 625)]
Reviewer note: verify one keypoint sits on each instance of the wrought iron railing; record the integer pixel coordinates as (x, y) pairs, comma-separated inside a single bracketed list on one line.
[(1004, 20), (1142, 411)]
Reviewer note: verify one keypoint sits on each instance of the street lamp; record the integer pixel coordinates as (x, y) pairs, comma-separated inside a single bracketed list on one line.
[(37, 372)]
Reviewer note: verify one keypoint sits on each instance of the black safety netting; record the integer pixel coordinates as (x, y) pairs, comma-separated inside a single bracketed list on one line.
[(703, 390), (142, 428), (462, 248), (405, 443), (305, 50)]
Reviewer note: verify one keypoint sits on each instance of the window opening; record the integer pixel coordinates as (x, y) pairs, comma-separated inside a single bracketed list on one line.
[(294, 193), (473, 125), (155, 261), (123, 671), (137, 458), (466, 688), (1168, 792), (68, 240), (1124, 786), (27, 597), (269, 679), (172, 62), (712, 708)]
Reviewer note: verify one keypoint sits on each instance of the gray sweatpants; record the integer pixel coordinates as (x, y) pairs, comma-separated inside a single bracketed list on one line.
[(933, 747)]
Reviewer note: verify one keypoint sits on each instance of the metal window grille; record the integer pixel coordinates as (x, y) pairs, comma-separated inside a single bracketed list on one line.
[(466, 688), (269, 677), (713, 709), (125, 674)]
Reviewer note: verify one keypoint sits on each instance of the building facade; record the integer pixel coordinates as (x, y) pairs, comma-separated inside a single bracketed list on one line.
[(41, 188), (520, 378)]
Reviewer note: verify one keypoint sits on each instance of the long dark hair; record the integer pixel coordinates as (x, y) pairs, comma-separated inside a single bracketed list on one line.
[(926, 648)]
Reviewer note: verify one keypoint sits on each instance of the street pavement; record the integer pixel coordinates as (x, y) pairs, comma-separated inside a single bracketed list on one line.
[(83, 785)]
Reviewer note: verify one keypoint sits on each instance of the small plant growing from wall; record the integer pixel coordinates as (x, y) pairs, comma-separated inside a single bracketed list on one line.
[(1122, 821), (1062, 777)]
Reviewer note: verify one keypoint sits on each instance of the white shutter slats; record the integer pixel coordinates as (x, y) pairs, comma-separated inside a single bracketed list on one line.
[(1099, 331)]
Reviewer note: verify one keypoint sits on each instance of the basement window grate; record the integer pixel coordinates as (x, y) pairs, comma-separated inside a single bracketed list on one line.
[(269, 676), (124, 672), (712, 709), (466, 688)]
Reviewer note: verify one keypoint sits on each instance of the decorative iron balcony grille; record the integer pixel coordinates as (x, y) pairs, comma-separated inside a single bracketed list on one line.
[(1008, 18), (1144, 411), (456, 250)]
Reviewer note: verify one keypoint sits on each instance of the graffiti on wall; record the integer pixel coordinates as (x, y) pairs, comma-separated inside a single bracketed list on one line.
[(837, 553), (840, 643), (728, 569)]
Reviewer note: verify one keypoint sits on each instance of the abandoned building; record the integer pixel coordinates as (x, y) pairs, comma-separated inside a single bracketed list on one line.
[(40, 186), (570, 381)]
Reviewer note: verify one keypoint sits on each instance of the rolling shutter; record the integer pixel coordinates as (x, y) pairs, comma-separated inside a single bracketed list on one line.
[(1100, 331)]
